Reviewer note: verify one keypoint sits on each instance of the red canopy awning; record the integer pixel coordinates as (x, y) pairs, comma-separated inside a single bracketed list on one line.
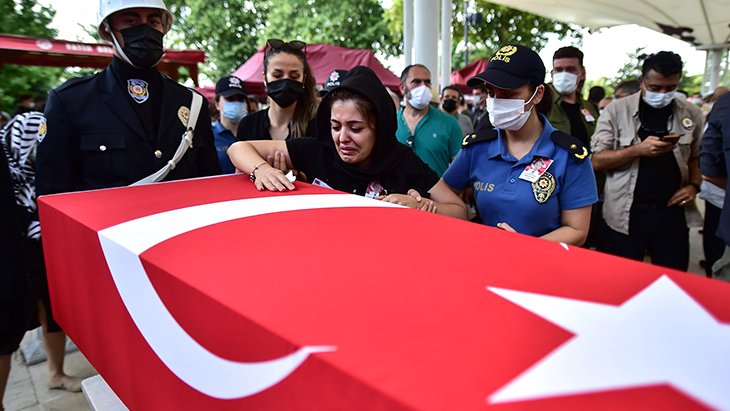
[(323, 59), (460, 77), (61, 53)]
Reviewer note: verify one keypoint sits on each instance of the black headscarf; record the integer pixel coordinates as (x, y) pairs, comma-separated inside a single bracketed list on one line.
[(387, 152)]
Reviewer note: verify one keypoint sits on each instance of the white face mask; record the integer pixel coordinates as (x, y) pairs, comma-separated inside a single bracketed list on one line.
[(420, 97), (508, 113), (658, 100), (565, 83)]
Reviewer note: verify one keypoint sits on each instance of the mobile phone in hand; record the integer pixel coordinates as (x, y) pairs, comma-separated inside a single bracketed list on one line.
[(671, 138)]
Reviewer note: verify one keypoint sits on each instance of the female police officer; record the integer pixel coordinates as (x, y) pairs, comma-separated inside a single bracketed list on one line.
[(527, 176)]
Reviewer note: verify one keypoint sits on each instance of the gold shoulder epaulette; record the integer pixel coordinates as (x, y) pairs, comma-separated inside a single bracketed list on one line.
[(479, 136), (575, 147)]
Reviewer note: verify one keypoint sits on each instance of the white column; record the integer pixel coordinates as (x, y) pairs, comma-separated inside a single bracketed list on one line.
[(445, 68), (408, 32), (715, 68), (426, 35)]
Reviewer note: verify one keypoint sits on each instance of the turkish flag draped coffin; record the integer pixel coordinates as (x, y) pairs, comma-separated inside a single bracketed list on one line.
[(207, 294)]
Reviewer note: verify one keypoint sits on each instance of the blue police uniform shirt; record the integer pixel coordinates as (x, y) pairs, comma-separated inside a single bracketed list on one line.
[(501, 196), (223, 139)]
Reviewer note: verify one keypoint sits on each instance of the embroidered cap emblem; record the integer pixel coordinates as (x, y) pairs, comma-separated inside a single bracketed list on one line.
[(234, 82), (504, 53)]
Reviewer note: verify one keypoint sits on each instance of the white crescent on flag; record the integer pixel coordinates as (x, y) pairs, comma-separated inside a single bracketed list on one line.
[(204, 371)]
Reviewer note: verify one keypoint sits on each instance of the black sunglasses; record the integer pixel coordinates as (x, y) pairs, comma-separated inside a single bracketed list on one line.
[(410, 141), (277, 44)]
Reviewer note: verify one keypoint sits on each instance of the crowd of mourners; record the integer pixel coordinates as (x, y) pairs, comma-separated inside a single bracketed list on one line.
[(618, 173)]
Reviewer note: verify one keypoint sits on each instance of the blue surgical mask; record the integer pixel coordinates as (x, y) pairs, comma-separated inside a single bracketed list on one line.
[(234, 110)]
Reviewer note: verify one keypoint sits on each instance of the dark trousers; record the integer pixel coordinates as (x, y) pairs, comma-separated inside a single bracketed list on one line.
[(662, 231), (596, 225), (712, 245)]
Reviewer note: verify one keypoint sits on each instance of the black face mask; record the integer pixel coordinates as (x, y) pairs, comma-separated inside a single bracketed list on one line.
[(449, 105), (285, 92), (142, 45)]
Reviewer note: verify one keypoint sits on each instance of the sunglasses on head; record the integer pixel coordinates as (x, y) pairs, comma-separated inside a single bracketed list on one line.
[(277, 44)]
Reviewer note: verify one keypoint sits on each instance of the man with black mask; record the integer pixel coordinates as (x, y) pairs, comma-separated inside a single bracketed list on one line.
[(125, 124), (450, 96)]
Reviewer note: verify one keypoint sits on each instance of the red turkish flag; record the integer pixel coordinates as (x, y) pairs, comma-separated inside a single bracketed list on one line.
[(207, 294)]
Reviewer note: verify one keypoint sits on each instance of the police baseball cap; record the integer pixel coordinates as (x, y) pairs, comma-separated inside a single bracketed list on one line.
[(333, 81), (229, 86), (512, 66)]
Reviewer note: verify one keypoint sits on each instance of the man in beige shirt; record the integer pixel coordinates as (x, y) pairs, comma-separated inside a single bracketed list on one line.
[(648, 145)]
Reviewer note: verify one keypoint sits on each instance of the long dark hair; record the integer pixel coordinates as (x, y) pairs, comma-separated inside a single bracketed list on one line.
[(307, 106)]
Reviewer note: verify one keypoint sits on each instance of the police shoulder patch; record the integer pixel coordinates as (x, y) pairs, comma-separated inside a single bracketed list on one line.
[(42, 129), (479, 136), (575, 147)]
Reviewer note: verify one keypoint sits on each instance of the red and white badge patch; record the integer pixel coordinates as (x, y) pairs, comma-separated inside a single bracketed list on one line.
[(587, 115)]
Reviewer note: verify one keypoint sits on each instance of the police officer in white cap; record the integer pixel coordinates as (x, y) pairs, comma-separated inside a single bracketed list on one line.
[(120, 126), (124, 124)]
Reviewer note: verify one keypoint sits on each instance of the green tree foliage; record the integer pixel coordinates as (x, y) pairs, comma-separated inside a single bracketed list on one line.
[(28, 18), (503, 25), (229, 31), (348, 23), (632, 70), (500, 25), (604, 82), (691, 84), (394, 21)]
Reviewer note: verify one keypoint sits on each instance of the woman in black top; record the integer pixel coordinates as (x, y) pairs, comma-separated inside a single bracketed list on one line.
[(290, 86), (362, 156)]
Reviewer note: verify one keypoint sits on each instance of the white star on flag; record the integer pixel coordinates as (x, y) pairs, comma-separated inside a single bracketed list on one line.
[(661, 335)]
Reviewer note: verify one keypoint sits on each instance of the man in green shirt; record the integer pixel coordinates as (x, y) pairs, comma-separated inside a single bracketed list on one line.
[(575, 116), (433, 135)]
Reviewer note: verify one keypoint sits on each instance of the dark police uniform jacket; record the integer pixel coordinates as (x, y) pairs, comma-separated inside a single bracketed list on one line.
[(94, 139)]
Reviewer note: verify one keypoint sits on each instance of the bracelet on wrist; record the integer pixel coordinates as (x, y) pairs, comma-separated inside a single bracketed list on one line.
[(696, 186), (252, 175)]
